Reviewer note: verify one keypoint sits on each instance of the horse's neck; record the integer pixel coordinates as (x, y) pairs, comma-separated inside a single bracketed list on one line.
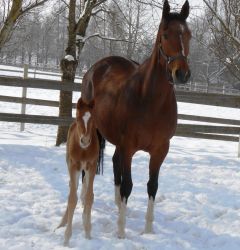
[(155, 76)]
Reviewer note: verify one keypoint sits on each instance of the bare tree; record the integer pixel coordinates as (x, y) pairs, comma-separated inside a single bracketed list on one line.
[(11, 12), (78, 20), (224, 23)]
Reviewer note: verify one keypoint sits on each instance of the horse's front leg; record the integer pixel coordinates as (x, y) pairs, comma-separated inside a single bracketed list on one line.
[(125, 190), (89, 197), (72, 201), (156, 161)]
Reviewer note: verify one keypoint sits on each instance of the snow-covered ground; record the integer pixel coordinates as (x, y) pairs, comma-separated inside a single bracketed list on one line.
[(197, 205)]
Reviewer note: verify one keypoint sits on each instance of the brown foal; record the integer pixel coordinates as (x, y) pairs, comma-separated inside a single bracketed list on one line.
[(82, 155)]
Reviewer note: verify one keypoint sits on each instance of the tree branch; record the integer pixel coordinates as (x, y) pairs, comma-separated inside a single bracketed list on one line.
[(224, 25), (32, 6), (104, 38)]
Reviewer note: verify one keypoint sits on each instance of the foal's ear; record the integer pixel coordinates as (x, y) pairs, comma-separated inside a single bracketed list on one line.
[(166, 9), (91, 104), (79, 103), (185, 10)]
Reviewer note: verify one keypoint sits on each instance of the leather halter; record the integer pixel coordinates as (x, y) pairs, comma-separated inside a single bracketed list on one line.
[(170, 59)]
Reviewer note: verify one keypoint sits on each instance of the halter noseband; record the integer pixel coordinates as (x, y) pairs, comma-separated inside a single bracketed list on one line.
[(170, 59)]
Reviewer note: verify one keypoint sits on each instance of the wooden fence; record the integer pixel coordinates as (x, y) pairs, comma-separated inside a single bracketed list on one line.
[(229, 130), (34, 72)]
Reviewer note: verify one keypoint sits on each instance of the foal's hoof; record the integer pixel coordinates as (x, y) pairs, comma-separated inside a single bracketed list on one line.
[(121, 235), (88, 236), (66, 243), (148, 231)]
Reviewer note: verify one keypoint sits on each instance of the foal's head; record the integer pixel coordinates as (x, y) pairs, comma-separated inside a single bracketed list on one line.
[(85, 123), (173, 40)]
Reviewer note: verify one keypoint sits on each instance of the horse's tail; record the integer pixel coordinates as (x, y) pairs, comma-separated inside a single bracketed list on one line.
[(101, 153)]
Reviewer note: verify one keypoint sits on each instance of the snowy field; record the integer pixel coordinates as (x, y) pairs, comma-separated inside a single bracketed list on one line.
[(197, 205)]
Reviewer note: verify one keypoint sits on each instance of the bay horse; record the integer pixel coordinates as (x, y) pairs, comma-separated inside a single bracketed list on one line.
[(84, 153), (135, 105)]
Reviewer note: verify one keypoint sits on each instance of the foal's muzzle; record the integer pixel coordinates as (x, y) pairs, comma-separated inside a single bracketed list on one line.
[(85, 141), (181, 77)]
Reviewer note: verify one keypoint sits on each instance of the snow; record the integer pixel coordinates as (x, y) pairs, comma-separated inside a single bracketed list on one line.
[(69, 58), (197, 205)]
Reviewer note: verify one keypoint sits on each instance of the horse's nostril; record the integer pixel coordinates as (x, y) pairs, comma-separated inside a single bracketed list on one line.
[(182, 76)]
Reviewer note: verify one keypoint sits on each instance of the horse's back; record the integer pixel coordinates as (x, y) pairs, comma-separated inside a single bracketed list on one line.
[(109, 73)]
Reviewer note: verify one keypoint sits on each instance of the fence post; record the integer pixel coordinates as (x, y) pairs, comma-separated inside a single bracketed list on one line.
[(239, 147), (24, 95)]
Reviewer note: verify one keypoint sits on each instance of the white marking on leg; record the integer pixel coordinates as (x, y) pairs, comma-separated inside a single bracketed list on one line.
[(149, 216), (117, 197), (86, 117), (122, 219)]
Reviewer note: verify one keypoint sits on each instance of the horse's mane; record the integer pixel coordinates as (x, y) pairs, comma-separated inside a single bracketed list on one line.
[(174, 16)]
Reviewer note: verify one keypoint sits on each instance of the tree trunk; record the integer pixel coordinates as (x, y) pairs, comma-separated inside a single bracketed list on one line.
[(68, 67), (65, 107), (70, 62), (10, 21)]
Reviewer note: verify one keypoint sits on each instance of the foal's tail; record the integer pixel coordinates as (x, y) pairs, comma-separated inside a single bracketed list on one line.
[(101, 153)]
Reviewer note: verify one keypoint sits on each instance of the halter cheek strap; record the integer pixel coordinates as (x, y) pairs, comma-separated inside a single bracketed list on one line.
[(170, 59)]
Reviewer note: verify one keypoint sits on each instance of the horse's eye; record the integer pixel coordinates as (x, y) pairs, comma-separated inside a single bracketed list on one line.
[(165, 36)]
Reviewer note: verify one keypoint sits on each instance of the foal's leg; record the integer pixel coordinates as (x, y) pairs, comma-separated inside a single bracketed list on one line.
[(156, 161), (84, 188), (72, 201), (125, 190), (89, 175), (117, 177)]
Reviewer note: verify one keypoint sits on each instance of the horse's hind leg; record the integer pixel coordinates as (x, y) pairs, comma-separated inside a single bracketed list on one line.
[(125, 190), (117, 177), (89, 197), (156, 161)]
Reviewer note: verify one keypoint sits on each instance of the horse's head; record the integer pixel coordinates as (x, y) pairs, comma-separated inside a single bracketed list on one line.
[(173, 41), (85, 123)]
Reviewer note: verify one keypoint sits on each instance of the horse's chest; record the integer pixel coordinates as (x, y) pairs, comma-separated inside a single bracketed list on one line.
[(151, 129)]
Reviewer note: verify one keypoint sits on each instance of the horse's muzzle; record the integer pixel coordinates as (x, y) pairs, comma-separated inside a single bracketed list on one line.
[(181, 76)]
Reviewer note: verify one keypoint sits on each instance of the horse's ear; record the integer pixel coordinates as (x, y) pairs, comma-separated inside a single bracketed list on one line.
[(185, 10), (166, 9)]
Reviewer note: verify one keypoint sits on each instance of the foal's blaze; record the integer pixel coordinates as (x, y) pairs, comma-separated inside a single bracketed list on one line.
[(135, 106), (82, 154), (84, 124)]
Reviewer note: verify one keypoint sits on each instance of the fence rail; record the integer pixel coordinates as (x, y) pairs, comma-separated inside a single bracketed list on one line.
[(36, 71), (39, 83), (222, 100)]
